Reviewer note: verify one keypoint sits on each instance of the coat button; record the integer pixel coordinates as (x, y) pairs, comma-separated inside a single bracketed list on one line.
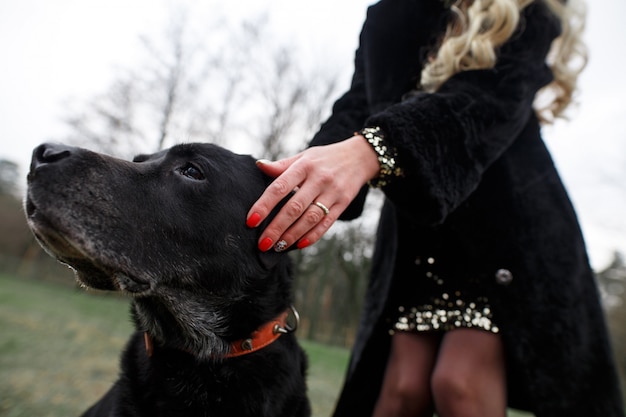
[(504, 276)]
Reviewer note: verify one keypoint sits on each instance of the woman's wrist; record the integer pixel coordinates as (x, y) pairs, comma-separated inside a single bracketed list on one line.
[(387, 157)]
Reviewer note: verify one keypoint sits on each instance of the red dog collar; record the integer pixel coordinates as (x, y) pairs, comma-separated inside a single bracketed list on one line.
[(260, 338)]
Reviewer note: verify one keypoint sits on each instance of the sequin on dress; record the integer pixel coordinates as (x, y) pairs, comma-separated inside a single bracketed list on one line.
[(447, 308)]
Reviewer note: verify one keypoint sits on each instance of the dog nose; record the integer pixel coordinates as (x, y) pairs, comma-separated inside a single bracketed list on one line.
[(49, 153)]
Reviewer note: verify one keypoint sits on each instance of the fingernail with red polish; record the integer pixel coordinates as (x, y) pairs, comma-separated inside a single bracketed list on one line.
[(303, 243), (265, 244), (253, 220)]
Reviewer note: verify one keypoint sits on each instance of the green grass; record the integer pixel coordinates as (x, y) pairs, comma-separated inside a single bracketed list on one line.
[(59, 351), (58, 347), (327, 366)]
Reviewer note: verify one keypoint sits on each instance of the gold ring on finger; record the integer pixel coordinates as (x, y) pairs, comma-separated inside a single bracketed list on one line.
[(323, 207)]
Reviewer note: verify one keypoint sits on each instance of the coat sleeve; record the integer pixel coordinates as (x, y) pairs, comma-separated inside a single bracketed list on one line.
[(447, 139)]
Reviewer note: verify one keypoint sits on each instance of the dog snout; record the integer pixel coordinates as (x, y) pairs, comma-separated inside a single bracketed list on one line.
[(49, 153)]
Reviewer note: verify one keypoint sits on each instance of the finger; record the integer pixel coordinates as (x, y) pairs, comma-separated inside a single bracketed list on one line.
[(313, 216), (273, 169), (276, 191), (316, 233), (289, 216)]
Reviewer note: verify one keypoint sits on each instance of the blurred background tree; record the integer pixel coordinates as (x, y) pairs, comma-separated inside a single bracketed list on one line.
[(238, 86), (9, 177), (612, 281)]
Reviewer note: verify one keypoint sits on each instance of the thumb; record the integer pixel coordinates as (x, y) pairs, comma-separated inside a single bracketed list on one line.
[(274, 168)]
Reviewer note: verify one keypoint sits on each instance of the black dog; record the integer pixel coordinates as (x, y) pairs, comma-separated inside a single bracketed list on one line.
[(210, 309)]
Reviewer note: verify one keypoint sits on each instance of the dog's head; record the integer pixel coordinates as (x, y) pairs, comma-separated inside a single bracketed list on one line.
[(161, 219), (163, 225)]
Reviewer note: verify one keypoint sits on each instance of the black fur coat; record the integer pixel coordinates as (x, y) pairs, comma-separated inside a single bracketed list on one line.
[(481, 191)]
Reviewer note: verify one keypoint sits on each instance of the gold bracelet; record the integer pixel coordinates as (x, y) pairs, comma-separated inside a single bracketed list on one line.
[(386, 157)]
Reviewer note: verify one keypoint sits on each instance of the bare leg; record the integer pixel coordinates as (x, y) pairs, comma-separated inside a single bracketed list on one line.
[(470, 377), (406, 386)]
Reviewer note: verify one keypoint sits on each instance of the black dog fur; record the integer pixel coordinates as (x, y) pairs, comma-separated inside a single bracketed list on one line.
[(169, 229)]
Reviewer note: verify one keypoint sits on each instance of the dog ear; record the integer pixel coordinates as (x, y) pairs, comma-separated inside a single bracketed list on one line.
[(270, 258)]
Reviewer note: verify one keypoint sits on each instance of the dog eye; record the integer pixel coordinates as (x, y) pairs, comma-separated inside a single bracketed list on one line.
[(191, 171)]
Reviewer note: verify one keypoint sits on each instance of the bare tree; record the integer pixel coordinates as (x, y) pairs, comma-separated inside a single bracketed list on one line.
[(107, 122), (237, 85)]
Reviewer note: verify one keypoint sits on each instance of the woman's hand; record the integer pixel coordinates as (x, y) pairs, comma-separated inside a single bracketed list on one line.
[(325, 180)]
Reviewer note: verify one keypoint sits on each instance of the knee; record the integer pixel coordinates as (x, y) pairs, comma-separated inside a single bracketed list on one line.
[(452, 391), (408, 387), (406, 396)]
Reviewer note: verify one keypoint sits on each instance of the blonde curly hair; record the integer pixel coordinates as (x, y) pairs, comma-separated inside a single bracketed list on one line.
[(479, 27)]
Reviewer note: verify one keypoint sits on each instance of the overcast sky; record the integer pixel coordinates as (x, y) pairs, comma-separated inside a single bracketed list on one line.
[(53, 51)]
